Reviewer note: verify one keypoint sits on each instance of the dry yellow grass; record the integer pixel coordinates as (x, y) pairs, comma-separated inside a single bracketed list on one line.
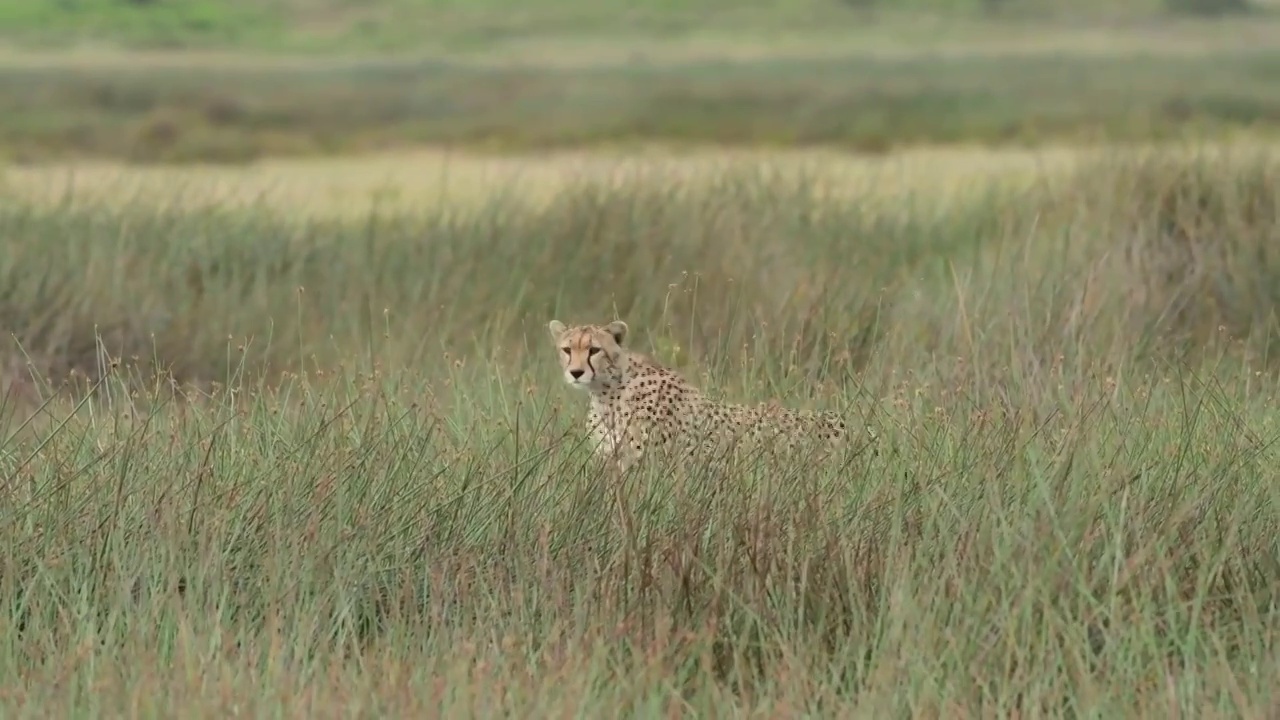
[(428, 179)]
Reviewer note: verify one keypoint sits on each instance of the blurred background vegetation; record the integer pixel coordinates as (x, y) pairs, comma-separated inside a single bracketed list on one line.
[(200, 80), (382, 25)]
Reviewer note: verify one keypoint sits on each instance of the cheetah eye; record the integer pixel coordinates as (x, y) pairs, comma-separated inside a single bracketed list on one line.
[(593, 351), (566, 350)]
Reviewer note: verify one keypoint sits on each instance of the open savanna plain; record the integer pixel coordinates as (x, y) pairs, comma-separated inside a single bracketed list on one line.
[(290, 438), (283, 432)]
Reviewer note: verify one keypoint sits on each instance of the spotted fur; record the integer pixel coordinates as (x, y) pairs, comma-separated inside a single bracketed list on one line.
[(638, 406)]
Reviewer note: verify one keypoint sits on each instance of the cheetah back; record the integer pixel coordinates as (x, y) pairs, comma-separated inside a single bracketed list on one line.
[(670, 413)]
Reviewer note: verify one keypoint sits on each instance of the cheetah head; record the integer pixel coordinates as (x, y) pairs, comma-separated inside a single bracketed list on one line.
[(591, 355)]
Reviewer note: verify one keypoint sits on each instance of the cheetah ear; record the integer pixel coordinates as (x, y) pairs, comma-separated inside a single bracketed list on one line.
[(618, 330), (557, 329)]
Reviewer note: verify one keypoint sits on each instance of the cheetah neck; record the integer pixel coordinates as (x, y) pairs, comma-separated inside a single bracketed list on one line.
[(606, 392)]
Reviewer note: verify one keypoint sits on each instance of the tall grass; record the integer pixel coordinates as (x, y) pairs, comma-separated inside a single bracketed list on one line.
[(309, 468)]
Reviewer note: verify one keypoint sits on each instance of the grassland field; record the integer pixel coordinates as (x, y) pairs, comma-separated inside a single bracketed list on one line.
[(282, 431), (285, 458)]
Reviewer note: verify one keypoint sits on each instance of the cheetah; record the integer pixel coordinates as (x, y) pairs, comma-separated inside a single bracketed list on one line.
[(638, 405)]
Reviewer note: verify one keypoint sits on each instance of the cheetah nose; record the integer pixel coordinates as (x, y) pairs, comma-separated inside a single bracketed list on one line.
[(576, 373)]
